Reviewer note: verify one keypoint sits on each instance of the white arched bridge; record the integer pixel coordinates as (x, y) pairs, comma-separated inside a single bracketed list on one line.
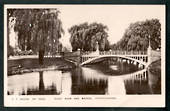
[(141, 58), (138, 57)]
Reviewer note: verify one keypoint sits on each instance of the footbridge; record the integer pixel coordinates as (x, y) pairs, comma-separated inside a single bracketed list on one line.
[(135, 57), (141, 58)]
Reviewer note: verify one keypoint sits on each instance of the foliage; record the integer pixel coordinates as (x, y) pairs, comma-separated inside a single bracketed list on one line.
[(136, 36), (10, 51), (65, 49), (85, 36), (38, 29)]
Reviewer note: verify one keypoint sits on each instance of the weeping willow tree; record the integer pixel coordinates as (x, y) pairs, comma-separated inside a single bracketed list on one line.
[(38, 30), (85, 36)]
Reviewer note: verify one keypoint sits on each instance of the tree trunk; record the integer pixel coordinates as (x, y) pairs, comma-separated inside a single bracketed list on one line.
[(28, 41), (41, 57)]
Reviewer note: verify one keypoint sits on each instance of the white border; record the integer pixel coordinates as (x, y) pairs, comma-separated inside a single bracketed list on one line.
[(118, 101)]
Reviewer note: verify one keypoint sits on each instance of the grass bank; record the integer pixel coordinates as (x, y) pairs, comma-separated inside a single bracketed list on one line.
[(155, 68), (19, 66)]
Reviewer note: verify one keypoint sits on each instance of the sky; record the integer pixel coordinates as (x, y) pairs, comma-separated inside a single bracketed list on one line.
[(116, 17)]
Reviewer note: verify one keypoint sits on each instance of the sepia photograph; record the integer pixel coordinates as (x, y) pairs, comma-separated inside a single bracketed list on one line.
[(84, 51)]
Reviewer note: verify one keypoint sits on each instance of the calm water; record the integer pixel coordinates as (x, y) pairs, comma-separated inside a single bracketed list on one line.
[(101, 79)]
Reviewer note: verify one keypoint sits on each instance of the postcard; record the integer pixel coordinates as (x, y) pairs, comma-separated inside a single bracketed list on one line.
[(84, 55)]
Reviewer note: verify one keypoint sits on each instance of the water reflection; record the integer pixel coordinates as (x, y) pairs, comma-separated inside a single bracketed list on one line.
[(41, 83), (47, 82), (137, 83), (154, 82), (88, 81), (116, 86), (84, 80), (66, 84), (112, 66), (20, 84)]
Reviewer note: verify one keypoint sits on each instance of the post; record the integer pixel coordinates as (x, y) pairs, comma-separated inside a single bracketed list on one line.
[(79, 57), (110, 52), (97, 48), (149, 52)]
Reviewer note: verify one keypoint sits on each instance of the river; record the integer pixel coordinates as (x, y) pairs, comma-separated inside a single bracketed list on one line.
[(96, 79)]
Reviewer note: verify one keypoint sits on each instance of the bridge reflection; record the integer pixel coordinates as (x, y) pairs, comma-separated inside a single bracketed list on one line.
[(116, 85), (139, 75)]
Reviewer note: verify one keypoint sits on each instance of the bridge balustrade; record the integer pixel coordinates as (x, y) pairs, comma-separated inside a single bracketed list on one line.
[(117, 52), (57, 54), (86, 52), (138, 56)]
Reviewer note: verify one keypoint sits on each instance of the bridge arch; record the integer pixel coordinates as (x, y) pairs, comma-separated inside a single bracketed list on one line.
[(108, 56)]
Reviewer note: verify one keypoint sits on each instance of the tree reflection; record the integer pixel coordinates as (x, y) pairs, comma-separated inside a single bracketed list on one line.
[(41, 82)]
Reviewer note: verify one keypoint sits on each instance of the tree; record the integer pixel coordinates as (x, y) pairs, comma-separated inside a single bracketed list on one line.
[(85, 36), (9, 15), (136, 36), (38, 29)]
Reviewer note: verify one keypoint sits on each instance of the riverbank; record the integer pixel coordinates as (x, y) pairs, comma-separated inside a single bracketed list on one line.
[(154, 77), (155, 67), (26, 65)]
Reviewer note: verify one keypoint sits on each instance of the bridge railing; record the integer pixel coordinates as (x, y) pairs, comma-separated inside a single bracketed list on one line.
[(117, 52), (87, 52), (123, 53)]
